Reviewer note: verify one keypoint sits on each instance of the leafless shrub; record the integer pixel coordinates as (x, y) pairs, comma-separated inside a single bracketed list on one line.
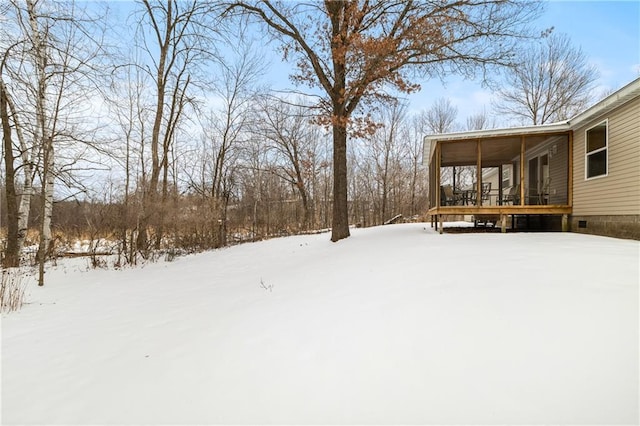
[(97, 261), (12, 289), (171, 254)]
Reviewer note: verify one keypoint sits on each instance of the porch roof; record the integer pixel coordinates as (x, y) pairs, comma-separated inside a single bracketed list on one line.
[(507, 131), (614, 100), (499, 145)]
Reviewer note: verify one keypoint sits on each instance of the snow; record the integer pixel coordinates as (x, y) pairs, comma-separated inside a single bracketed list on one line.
[(396, 324)]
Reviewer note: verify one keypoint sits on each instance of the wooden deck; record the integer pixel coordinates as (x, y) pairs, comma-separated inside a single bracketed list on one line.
[(501, 210), (500, 213)]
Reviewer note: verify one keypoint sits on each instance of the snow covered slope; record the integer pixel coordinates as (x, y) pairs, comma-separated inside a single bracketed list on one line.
[(396, 324)]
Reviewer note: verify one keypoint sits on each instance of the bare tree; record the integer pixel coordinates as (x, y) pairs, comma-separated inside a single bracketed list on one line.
[(386, 149), (130, 108), (18, 195), (50, 69), (224, 129), (552, 81), (12, 251), (355, 52), (176, 39), (480, 120), (67, 45), (441, 117), (254, 185), (388, 179), (14, 47), (414, 132), (290, 134)]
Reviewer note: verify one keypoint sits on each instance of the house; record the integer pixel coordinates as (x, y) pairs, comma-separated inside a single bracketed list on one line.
[(581, 175)]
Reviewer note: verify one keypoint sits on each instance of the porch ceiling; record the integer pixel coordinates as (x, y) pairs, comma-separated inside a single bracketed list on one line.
[(459, 153), (495, 151)]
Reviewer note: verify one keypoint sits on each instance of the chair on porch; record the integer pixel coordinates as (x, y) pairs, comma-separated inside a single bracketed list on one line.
[(486, 190), (447, 196), (471, 197), (513, 196)]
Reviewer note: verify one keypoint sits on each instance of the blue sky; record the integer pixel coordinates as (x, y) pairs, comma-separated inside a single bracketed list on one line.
[(607, 31)]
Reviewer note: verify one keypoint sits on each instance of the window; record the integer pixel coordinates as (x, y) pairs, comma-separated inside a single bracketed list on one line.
[(506, 175), (596, 151)]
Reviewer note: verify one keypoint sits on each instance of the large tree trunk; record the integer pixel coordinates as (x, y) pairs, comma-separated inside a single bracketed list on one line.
[(340, 220), (47, 209), (27, 187), (12, 252), (302, 190), (162, 208), (25, 204), (27, 169), (305, 205), (150, 195), (42, 138)]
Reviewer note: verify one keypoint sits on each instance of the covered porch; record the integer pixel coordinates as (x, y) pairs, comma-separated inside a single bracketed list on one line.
[(494, 175)]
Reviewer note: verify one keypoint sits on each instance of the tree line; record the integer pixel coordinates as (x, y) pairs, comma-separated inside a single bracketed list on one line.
[(153, 120)]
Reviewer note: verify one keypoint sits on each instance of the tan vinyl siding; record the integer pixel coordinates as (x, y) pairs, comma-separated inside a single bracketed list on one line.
[(617, 193), (558, 165)]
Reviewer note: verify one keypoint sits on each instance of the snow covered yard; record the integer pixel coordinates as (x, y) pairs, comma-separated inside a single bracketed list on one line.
[(396, 324)]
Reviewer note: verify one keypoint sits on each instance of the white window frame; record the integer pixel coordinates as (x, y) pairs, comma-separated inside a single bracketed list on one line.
[(604, 148)]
